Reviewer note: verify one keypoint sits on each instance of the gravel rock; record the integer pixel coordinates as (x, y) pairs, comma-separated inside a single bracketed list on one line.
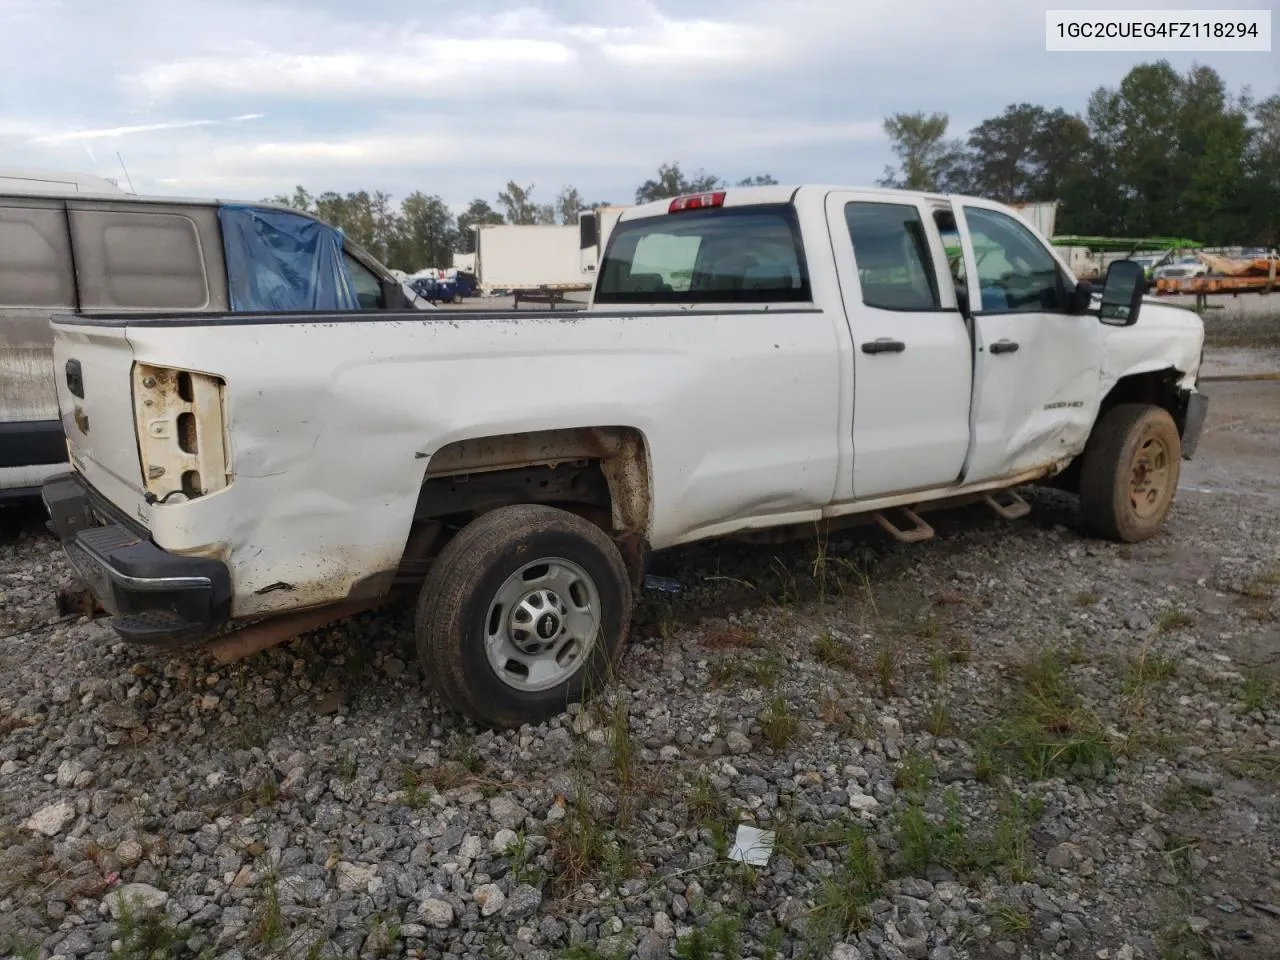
[(138, 898), (51, 820)]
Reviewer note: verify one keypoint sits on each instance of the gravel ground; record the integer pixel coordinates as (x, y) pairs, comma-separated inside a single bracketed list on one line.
[(1008, 742)]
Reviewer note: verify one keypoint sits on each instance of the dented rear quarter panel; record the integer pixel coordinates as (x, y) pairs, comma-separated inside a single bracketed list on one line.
[(331, 426)]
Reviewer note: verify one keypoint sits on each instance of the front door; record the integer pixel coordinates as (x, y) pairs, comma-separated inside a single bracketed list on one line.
[(1036, 369), (912, 359)]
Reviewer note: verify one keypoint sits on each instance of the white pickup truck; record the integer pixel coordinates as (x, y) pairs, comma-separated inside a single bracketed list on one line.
[(766, 357)]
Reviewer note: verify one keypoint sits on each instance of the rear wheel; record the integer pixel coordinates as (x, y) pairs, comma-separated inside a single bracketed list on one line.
[(1129, 472), (525, 611)]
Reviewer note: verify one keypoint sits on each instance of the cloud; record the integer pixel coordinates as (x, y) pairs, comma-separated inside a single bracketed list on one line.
[(421, 94), (112, 133)]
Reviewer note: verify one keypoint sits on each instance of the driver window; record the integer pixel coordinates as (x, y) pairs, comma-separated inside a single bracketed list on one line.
[(1015, 272), (364, 283)]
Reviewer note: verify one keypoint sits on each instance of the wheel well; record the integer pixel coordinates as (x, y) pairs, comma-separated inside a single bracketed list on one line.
[(600, 473), (1156, 387)]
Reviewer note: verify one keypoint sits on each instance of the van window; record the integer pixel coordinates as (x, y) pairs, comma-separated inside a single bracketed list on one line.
[(746, 254), (35, 258), (364, 283), (138, 260)]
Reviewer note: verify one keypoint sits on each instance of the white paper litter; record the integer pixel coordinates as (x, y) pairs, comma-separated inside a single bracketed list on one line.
[(752, 846)]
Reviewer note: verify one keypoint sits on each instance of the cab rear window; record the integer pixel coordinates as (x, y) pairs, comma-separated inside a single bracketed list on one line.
[(719, 255)]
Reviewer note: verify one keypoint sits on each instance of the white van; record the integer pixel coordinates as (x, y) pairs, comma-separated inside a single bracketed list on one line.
[(77, 243)]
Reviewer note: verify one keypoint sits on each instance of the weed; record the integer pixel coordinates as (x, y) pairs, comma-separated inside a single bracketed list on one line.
[(461, 749), (961, 649), (940, 665), (622, 757), (347, 767), (923, 842), (1047, 725), (986, 762), (589, 951), (1255, 765), (1008, 920), (773, 943), (1257, 692), (1147, 669), (843, 901), (416, 793), (618, 862), (913, 773), (580, 842), (705, 802), (761, 671), (1085, 599), (720, 937), (518, 851), (1010, 851), (719, 839), (835, 652), (148, 936), (938, 717), (1172, 620), (268, 927), (779, 724), (268, 790), (1180, 795), (886, 668), (1179, 942)]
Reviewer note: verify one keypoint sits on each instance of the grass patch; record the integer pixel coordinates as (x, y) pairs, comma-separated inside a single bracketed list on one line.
[(763, 671), (1255, 765), (719, 938), (834, 652), (622, 758), (842, 906), (1008, 920), (347, 767), (1172, 620), (268, 925), (925, 839), (518, 851), (415, 787), (144, 936), (779, 724), (1085, 599), (706, 803), (1258, 691), (1045, 724), (579, 841), (937, 719), (1178, 795), (913, 773), (886, 669)]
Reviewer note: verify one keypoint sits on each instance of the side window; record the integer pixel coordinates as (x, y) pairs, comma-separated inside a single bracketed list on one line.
[(35, 258), (892, 254), (1015, 272), (146, 261), (364, 283)]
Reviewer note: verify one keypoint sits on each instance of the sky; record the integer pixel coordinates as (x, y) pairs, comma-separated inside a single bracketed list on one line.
[(244, 99)]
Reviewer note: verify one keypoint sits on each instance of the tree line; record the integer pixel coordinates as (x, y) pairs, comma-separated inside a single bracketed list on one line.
[(1162, 154), (424, 232)]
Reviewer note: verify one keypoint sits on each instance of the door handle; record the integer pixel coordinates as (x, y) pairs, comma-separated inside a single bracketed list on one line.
[(1004, 346), (883, 345)]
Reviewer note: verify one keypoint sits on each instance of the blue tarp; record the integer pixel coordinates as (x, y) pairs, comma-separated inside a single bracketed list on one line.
[(279, 261)]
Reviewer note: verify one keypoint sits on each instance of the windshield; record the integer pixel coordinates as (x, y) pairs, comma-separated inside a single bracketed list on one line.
[(747, 254)]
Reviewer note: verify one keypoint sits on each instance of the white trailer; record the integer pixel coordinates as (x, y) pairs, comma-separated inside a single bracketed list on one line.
[(527, 257), (1042, 216), (594, 227)]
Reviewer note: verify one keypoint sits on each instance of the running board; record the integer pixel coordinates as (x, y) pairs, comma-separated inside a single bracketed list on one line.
[(1013, 510), (919, 531)]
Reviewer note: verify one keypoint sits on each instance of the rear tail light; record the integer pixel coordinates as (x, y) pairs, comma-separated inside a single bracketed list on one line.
[(697, 201), (181, 432)]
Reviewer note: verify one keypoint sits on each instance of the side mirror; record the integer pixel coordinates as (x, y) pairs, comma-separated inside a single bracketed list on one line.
[(1122, 293), (1081, 297)]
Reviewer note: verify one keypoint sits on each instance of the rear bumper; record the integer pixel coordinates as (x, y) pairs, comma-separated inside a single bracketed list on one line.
[(154, 596)]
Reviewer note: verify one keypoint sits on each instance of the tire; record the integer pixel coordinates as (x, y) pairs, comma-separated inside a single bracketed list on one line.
[(509, 581), (1129, 472)]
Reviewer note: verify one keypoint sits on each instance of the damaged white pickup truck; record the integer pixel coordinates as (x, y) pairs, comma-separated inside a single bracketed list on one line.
[(763, 357)]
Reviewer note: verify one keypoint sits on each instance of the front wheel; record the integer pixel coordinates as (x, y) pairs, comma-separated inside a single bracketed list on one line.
[(525, 611), (1129, 473)]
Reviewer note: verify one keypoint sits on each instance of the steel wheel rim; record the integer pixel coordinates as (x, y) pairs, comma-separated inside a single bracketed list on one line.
[(542, 625), (1149, 477)]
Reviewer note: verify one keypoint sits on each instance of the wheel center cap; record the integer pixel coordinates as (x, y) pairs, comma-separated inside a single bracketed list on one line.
[(548, 626)]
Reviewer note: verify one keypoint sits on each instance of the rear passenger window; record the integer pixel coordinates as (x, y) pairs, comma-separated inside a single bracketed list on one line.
[(746, 254), (35, 258), (138, 261), (891, 250)]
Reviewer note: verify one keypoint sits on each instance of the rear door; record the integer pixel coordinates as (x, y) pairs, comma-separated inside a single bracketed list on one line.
[(1037, 366), (912, 359)]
